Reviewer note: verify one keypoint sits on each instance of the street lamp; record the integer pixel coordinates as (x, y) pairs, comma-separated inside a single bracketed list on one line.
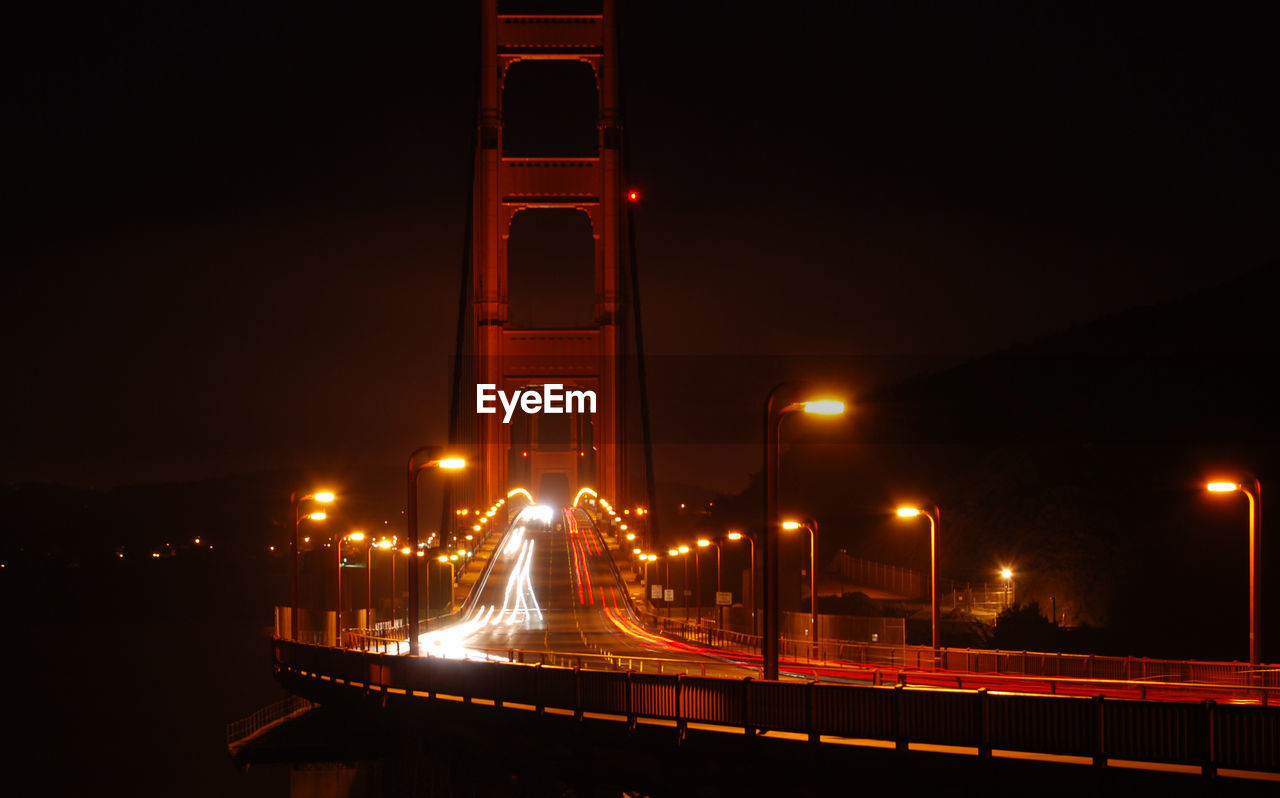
[(671, 553), (432, 460), (1251, 488), (812, 526), (751, 541), (355, 537), (776, 407), (368, 567), (703, 543), (321, 497), (1007, 575), (683, 551), (935, 520)]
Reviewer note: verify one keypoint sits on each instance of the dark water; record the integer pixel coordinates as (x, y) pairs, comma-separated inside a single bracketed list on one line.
[(123, 676)]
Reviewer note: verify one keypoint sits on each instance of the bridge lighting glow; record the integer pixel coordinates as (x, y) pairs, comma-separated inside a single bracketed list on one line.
[(908, 512), (824, 407), (1221, 487), (529, 495), (453, 463), (324, 496)]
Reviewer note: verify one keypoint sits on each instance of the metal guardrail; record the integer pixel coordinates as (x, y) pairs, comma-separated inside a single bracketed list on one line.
[(975, 660), (1203, 734), (241, 731)]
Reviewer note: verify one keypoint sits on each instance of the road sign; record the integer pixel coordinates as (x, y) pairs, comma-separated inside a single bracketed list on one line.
[(724, 599), (669, 595), (655, 591)]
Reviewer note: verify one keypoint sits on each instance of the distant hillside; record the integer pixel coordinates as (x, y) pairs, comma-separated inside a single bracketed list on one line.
[(1078, 460)]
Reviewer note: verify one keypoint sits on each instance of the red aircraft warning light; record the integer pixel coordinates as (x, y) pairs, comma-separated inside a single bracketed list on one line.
[(633, 196)]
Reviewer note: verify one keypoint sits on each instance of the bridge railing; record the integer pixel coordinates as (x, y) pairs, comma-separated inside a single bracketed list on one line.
[(1202, 734), (974, 660), (238, 732)]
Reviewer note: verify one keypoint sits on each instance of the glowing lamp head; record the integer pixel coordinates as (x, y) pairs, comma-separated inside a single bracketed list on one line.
[(683, 549), (908, 512), (405, 550), (1006, 573), (735, 536), (318, 516), (356, 536), (1221, 487), (672, 552), (635, 551), (824, 407), (324, 496), (453, 463), (631, 536), (791, 525), (703, 543), (384, 544), (442, 558)]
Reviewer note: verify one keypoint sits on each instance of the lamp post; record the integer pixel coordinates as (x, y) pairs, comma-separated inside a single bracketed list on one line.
[(432, 460), (812, 526), (322, 497), (1007, 575), (368, 567), (935, 520), (447, 560), (751, 541), (702, 544), (670, 554), (776, 407), (683, 551), (337, 547), (1251, 488)]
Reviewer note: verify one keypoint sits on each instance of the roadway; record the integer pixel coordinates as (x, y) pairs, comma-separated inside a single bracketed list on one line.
[(552, 587)]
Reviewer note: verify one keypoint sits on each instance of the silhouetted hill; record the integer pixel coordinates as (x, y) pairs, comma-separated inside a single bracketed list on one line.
[(1078, 460)]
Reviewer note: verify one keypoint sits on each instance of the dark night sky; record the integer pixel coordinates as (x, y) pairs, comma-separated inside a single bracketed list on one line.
[(234, 231)]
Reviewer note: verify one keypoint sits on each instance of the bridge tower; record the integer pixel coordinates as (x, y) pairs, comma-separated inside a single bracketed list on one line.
[(591, 449)]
